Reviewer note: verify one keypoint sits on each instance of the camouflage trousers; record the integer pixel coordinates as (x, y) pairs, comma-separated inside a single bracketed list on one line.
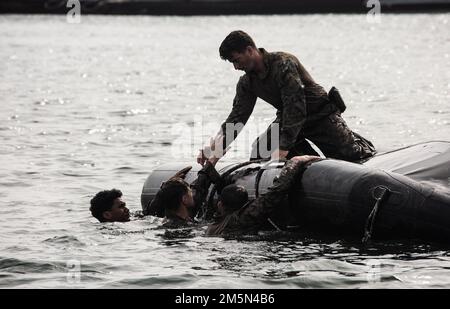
[(331, 134)]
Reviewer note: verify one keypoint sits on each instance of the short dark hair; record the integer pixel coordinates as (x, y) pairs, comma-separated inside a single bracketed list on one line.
[(237, 41), (233, 197), (103, 201), (172, 192)]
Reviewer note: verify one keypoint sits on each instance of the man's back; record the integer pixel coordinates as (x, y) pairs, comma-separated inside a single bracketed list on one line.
[(271, 84)]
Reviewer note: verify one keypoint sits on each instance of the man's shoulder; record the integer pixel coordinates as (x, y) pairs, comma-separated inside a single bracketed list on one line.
[(244, 81), (280, 57), (282, 63)]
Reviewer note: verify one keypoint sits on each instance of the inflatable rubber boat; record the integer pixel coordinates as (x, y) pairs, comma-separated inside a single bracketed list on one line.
[(403, 193)]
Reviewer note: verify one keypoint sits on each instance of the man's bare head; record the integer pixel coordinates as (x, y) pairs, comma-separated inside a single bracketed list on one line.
[(240, 49)]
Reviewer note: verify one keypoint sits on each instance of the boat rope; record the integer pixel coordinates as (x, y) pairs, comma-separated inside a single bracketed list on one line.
[(380, 197)]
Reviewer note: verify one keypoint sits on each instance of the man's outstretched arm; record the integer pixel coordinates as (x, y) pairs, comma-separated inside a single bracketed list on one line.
[(243, 104)]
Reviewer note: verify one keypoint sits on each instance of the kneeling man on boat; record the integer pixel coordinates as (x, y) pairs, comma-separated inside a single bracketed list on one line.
[(304, 109)]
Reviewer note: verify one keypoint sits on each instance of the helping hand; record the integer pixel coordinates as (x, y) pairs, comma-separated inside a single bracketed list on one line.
[(305, 159)]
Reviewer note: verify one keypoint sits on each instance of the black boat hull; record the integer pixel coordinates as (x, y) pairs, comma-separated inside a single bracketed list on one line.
[(336, 198)]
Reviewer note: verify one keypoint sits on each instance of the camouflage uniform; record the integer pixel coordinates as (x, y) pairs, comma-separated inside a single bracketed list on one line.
[(303, 111), (253, 216)]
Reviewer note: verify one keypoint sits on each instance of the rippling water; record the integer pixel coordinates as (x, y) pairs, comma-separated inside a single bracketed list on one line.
[(91, 106)]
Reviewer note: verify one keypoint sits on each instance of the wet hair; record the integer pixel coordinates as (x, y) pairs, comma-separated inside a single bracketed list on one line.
[(171, 193), (233, 197), (103, 201), (237, 41)]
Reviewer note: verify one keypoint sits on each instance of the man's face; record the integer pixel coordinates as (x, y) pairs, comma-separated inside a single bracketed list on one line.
[(220, 208), (244, 61), (188, 199), (119, 212)]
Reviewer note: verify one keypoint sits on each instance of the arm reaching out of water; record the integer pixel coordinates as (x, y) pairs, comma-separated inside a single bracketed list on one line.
[(209, 173)]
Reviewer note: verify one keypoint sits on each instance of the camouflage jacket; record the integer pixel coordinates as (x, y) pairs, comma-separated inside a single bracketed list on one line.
[(287, 86), (252, 216)]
